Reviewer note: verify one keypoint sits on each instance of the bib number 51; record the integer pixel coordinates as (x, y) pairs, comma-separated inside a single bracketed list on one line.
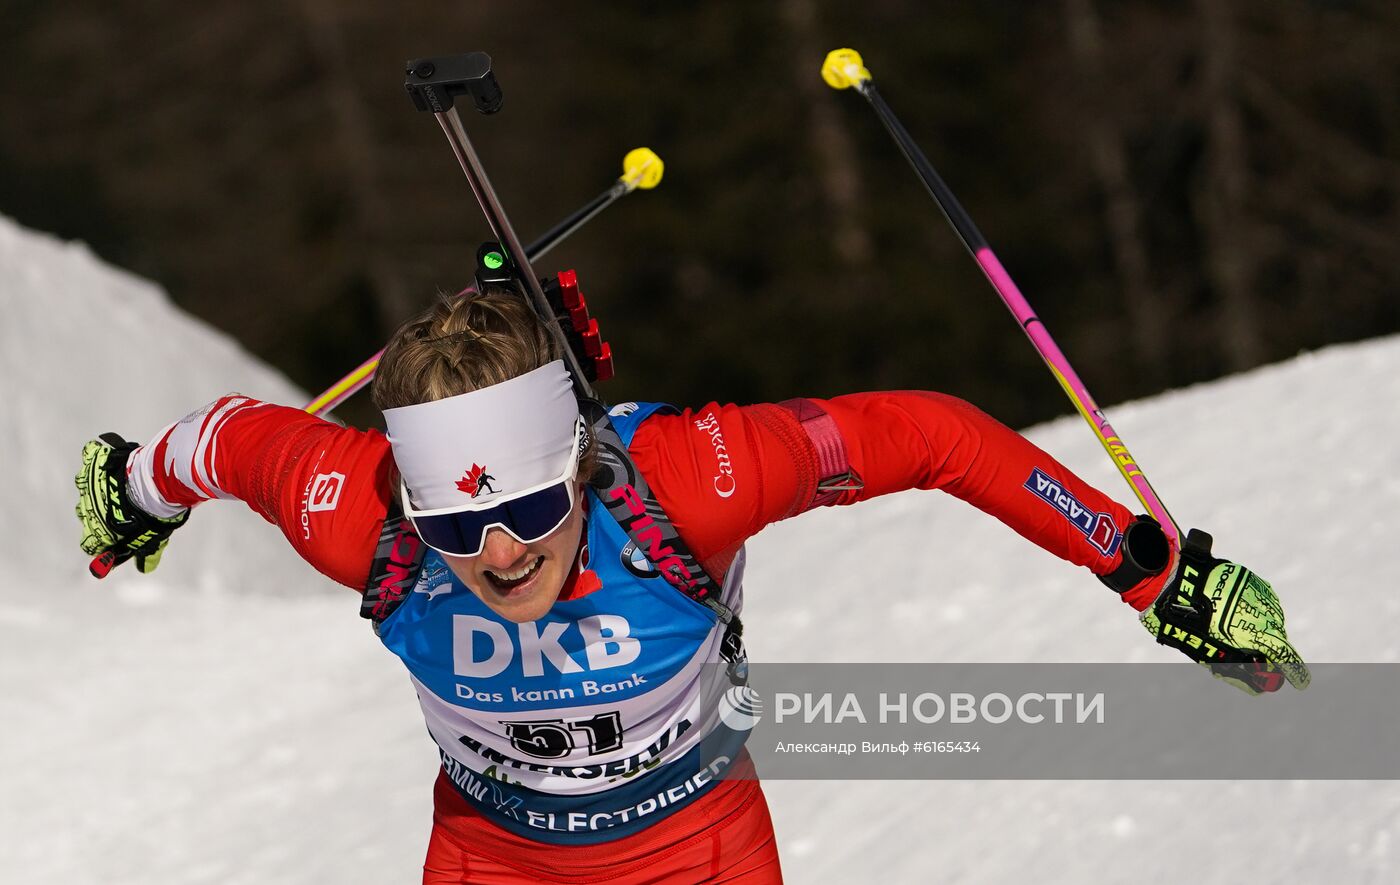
[(557, 738)]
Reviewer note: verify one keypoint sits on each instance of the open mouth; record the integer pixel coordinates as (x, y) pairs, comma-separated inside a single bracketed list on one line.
[(505, 582)]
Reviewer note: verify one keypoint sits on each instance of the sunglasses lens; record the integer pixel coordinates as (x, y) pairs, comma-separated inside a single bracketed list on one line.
[(535, 516), (529, 518)]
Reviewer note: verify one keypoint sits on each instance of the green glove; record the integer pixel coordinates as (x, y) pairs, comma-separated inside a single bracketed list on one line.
[(1223, 616), (114, 528)]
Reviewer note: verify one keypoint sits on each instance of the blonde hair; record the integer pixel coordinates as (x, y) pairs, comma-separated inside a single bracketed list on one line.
[(460, 344), (464, 343)]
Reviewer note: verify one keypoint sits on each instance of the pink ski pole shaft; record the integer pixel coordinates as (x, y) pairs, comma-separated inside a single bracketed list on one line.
[(843, 68)]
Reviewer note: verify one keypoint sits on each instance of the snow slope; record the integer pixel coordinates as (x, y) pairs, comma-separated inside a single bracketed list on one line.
[(230, 719)]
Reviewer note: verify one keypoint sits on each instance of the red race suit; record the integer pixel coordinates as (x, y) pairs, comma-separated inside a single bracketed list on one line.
[(722, 473)]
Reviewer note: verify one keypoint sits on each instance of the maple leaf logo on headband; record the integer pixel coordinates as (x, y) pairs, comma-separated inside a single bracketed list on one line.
[(476, 481)]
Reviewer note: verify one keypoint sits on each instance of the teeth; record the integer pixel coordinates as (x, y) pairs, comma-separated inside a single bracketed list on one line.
[(516, 576)]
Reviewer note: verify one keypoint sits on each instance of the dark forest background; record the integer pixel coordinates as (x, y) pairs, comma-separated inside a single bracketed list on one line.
[(1182, 189)]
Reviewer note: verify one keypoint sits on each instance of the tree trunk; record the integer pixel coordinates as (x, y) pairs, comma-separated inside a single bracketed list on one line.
[(1230, 248), (840, 180), (1149, 317), (355, 141)]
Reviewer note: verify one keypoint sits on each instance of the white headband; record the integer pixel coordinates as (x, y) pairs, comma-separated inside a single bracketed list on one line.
[(473, 448)]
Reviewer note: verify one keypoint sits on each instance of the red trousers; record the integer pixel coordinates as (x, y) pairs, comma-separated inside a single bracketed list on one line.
[(724, 836)]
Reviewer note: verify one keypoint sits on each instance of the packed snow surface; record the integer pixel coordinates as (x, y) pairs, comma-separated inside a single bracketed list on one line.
[(231, 719)]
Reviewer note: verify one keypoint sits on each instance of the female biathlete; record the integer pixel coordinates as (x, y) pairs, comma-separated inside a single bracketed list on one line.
[(570, 692)]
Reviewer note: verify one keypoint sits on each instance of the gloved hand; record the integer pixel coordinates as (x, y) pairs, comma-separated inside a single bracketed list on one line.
[(1217, 613), (114, 528)]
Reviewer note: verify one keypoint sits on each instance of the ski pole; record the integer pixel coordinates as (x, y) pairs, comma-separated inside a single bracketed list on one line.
[(641, 170), (843, 68)]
